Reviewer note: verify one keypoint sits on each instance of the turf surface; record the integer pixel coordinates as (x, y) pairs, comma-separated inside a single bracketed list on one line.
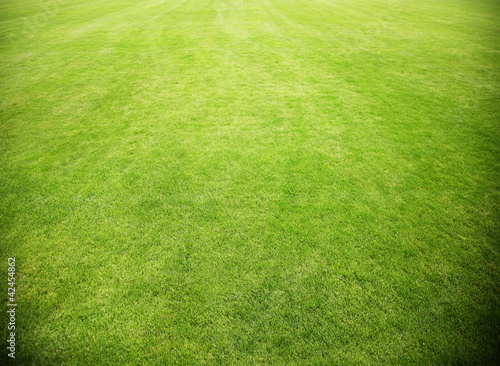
[(273, 182)]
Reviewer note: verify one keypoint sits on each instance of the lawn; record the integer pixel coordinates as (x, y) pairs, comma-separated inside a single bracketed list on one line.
[(251, 182)]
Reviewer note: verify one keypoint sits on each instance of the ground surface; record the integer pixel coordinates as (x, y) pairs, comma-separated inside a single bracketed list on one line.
[(275, 182)]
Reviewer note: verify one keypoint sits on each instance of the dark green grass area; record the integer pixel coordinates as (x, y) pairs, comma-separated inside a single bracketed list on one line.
[(251, 182)]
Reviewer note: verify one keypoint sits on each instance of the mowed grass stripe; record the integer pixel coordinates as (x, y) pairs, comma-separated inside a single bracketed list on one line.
[(252, 181)]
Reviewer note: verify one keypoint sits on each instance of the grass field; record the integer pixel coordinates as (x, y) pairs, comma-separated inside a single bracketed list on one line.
[(251, 182)]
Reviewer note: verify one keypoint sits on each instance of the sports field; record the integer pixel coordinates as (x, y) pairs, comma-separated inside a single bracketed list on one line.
[(250, 182)]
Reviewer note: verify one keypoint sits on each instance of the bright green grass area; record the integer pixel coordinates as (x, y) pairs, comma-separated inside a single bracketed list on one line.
[(251, 182)]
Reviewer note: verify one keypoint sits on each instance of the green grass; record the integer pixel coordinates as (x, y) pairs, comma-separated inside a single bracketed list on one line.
[(251, 182)]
